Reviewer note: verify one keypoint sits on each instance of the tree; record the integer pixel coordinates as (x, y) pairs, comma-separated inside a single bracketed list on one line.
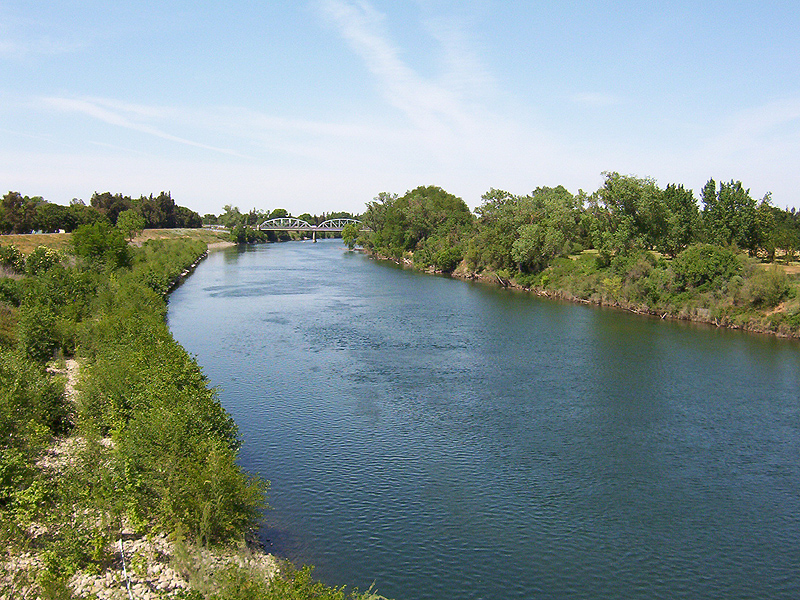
[(111, 205), (279, 213), (350, 233), (683, 225), (100, 242), (627, 213), (130, 223), (729, 215), (550, 224), (230, 217), (18, 213), (51, 217)]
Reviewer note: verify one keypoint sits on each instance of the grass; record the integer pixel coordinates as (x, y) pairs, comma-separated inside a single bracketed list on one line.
[(28, 242)]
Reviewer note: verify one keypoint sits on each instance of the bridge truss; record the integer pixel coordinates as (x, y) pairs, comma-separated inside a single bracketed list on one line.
[(294, 224)]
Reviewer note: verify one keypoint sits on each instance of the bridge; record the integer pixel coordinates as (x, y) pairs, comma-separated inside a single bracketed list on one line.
[(294, 224)]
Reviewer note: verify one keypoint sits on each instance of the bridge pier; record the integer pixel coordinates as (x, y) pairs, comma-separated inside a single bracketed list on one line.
[(314, 236)]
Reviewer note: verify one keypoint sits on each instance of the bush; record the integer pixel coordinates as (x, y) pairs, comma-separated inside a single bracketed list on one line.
[(705, 266), (37, 331), (176, 473), (10, 291), (448, 259), (101, 242), (767, 288), (42, 259), (12, 259), (32, 404)]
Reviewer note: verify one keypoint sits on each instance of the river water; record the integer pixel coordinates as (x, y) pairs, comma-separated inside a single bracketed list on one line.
[(445, 439)]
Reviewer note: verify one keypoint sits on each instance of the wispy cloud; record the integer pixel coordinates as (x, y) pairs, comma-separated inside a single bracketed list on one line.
[(128, 116), (428, 104), (596, 99), (12, 47)]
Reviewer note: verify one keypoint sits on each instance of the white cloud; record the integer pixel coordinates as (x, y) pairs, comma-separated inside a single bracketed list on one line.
[(123, 115)]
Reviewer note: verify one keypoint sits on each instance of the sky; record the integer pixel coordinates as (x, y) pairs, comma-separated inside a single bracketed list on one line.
[(319, 105)]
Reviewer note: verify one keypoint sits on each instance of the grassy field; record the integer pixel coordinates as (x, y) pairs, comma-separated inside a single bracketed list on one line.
[(27, 243)]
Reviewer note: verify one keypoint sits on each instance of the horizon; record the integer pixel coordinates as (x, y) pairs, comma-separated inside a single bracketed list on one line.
[(327, 103)]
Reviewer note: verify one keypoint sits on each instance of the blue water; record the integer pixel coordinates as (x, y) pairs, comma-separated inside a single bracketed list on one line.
[(445, 439)]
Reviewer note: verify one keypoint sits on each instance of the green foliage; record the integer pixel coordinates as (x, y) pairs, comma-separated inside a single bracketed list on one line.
[(628, 213), (730, 215), (427, 220), (244, 234), (38, 335), (18, 213), (174, 469), (42, 259), (235, 583), (705, 266), (33, 409), (350, 234), (100, 242), (767, 288), (12, 259), (683, 224), (10, 291), (130, 222)]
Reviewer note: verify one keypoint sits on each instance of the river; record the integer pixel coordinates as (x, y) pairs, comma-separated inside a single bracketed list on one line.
[(447, 439)]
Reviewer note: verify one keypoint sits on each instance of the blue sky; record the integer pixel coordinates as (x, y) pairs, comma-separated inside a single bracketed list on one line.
[(320, 105)]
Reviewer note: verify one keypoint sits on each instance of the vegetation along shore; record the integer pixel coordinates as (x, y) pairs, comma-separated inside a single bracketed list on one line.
[(118, 473), (630, 245)]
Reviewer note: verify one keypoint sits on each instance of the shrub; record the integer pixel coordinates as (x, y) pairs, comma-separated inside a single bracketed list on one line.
[(767, 288), (12, 259), (38, 337), (32, 404), (101, 242), (448, 259), (705, 266), (42, 259), (10, 291)]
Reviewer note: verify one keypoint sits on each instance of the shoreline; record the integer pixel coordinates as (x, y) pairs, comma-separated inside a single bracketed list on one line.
[(696, 316)]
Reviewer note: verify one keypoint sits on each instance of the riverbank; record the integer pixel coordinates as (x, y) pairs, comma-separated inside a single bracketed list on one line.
[(780, 320), (118, 464)]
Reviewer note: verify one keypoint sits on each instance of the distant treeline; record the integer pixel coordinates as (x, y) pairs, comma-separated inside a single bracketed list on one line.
[(630, 244), (24, 214), (525, 233)]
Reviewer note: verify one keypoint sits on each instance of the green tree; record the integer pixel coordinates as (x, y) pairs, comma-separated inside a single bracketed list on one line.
[(627, 213), (350, 233), (683, 224), (730, 216), (130, 223), (110, 205), (18, 213), (551, 219), (279, 213), (100, 242), (51, 217)]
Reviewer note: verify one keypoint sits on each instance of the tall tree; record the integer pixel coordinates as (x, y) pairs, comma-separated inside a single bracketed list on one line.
[(683, 225)]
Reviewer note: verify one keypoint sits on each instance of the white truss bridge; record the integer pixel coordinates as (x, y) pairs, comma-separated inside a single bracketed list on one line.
[(294, 224)]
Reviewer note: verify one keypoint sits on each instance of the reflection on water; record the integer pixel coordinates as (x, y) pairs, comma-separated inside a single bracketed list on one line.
[(448, 439)]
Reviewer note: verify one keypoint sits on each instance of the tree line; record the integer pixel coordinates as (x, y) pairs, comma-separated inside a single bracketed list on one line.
[(525, 233), (26, 214), (630, 243)]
